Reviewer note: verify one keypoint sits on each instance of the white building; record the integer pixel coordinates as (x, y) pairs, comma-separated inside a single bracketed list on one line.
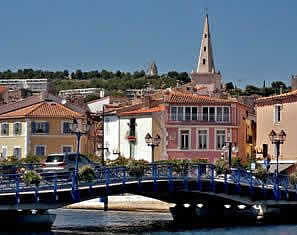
[(83, 92), (35, 85)]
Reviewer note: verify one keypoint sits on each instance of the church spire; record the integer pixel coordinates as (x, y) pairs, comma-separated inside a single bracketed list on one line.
[(206, 62)]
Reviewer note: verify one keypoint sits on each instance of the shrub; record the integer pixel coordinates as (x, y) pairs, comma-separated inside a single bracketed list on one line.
[(120, 161), (136, 167), (221, 166), (293, 179), (34, 159), (94, 158), (261, 173), (31, 177), (86, 173)]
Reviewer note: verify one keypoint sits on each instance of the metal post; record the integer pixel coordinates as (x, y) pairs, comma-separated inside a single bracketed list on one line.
[(277, 155), (153, 153), (78, 135), (102, 158), (230, 155)]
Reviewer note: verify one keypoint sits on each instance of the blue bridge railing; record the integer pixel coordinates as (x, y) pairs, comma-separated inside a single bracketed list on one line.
[(15, 182)]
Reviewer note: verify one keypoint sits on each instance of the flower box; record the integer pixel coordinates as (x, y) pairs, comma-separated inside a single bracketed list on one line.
[(132, 138)]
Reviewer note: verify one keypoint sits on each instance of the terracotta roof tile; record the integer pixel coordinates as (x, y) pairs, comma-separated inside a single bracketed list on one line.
[(184, 98), (277, 97), (43, 110), (144, 110)]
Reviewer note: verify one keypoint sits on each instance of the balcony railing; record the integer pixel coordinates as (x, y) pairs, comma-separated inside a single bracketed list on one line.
[(201, 117)]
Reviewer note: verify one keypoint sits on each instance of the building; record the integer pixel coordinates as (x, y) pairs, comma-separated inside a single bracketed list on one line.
[(277, 113), (38, 125), (198, 127), (34, 85), (82, 92), (205, 73), (135, 125)]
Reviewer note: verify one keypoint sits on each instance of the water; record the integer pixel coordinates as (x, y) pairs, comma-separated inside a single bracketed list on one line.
[(146, 223)]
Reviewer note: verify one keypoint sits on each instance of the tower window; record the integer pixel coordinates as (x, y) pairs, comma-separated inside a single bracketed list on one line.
[(205, 35), (203, 61), (204, 48)]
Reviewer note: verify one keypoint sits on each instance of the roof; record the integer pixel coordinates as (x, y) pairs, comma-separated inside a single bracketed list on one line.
[(144, 110), (35, 99), (42, 110), (186, 98), (276, 98), (3, 89)]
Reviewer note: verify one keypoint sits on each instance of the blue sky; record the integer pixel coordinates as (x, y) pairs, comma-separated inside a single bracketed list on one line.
[(252, 40)]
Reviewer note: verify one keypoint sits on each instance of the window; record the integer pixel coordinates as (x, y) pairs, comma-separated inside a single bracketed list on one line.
[(219, 114), (180, 113), (194, 113), (226, 116), (40, 127), (67, 149), (220, 138), (67, 127), (205, 114), (188, 113), (17, 152), (202, 139), (132, 125), (205, 35), (17, 128), (184, 141), (211, 114), (173, 113), (277, 113), (40, 150), (4, 129), (203, 61), (4, 152), (204, 48)]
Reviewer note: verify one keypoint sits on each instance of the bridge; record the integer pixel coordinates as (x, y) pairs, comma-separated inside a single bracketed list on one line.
[(196, 191)]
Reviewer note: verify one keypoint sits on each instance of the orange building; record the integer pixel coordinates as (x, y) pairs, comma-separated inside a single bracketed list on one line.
[(39, 129)]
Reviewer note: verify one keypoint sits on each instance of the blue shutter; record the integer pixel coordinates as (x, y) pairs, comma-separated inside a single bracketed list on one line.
[(20, 128), (65, 128), (46, 127), (33, 127)]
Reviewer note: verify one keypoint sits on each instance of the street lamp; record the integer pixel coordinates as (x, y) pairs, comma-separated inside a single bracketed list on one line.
[(277, 139), (79, 130), (153, 142)]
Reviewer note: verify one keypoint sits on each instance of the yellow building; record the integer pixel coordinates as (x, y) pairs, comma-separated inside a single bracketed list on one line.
[(39, 129)]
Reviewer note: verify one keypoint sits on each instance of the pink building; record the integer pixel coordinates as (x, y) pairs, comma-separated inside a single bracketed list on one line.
[(199, 126)]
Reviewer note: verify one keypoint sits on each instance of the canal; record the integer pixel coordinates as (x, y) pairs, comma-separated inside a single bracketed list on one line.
[(112, 222)]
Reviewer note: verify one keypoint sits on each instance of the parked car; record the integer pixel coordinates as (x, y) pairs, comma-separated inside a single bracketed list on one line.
[(64, 163)]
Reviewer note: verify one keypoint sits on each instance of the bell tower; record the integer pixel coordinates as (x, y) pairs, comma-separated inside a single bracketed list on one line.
[(205, 73)]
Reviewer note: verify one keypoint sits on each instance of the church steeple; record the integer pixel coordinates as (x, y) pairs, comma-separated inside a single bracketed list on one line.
[(206, 61)]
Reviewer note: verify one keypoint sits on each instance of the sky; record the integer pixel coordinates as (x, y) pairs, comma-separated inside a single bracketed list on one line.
[(253, 40)]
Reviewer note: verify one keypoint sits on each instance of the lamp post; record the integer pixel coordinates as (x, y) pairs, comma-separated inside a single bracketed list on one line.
[(79, 130), (277, 139), (153, 142)]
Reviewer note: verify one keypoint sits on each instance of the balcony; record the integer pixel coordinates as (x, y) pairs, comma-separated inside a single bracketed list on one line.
[(200, 117)]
